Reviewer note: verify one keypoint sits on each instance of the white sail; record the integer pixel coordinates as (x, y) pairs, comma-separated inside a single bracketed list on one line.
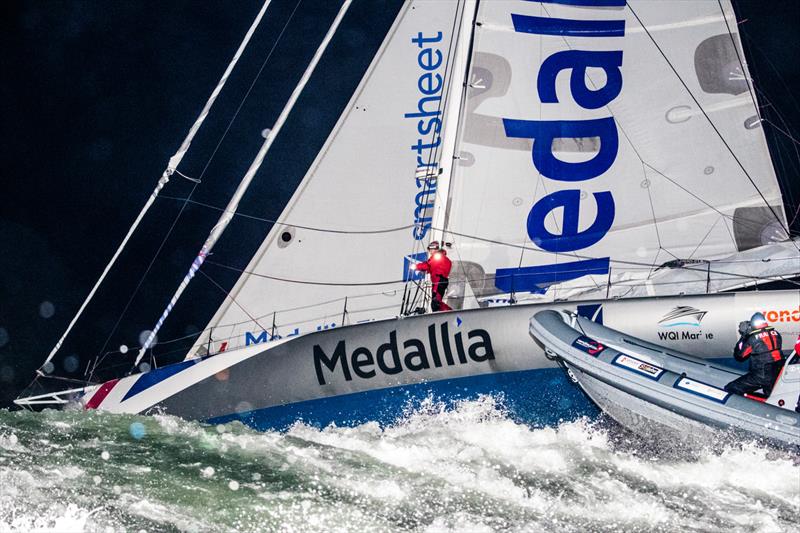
[(362, 208), (648, 145)]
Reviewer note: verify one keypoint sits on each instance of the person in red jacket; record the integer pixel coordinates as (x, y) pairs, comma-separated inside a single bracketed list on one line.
[(438, 266)]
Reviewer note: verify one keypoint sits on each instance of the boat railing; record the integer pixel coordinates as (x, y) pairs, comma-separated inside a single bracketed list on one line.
[(365, 307)]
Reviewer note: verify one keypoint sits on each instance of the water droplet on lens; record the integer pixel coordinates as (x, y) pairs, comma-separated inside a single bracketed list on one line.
[(47, 309), (97, 480), (243, 408), (105, 455), (6, 374), (123, 348), (256, 476), (144, 367), (117, 489), (207, 471), (48, 367), (144, 335), (137, 430), (233, 485), (71, 364)]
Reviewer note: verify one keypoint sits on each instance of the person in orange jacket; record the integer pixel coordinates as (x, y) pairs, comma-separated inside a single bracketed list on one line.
[(438, 266)]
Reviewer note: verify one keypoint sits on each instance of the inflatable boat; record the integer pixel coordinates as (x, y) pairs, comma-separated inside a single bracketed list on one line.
[(646, 387)]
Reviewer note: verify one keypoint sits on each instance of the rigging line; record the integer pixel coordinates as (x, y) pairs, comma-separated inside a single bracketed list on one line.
[(464, 80), (202, 174), (714, 225), (172, 165), (788, 188), (434, 154), (143, 277), (226, 293), (711, 123), (645, 266), (302, 282), (698, 198), (747, 79), (781, 130), (789, 91), (298, 226)]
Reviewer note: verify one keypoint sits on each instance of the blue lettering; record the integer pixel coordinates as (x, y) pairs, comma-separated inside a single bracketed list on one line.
[(567, 27), (429, 85), (570, 238), (249, 338), (586, 3), (579, 61), (545, 131), (536, 278)]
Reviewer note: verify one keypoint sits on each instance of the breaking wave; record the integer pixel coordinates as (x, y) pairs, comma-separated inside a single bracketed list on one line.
[(470, 468)]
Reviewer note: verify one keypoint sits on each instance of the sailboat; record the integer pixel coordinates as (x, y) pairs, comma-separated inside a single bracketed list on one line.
[(604, 157)]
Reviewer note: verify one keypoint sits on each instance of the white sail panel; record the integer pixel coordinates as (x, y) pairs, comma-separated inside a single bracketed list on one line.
[(600, 142), (360, 210)]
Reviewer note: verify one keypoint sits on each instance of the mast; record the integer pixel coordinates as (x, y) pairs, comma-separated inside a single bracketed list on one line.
[(233, 204), (452, 117), (172, 166)]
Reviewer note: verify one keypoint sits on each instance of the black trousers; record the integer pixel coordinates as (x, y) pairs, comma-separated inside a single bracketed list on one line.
[(759, 378)]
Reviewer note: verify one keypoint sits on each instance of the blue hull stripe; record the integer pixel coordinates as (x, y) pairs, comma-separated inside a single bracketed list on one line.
[(148, 379), (539, 397)]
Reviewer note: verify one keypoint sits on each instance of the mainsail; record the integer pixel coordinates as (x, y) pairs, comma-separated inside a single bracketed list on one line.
[(606, 138), (341, 251)]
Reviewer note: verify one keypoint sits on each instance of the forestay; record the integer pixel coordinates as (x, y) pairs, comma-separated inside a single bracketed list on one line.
[(601, 136), (362, 208)]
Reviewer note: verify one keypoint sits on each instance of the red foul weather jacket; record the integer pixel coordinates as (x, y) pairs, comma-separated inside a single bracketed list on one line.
[(438, 265)]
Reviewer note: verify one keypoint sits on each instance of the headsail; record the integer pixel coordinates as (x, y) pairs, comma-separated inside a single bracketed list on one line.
[(603, 137), (348, 235)]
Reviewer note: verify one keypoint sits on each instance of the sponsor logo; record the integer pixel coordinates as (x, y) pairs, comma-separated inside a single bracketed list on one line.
[(590, 346), (410, 271), (683, 315), (429, 122), (441, 348), (553, 221), (637, 365), (253, 337), (782, 315)]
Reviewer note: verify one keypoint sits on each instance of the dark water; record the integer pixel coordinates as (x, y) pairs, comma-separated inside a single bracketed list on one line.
[(467, 469)]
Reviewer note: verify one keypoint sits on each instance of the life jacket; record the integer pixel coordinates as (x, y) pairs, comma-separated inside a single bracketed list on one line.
[(761, 346)]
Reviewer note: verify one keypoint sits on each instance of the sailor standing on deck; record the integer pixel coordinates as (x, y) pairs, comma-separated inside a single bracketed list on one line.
[(438, 265), (761, 345)]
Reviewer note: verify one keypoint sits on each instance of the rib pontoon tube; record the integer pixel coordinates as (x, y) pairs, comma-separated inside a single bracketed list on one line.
[(643, 386)]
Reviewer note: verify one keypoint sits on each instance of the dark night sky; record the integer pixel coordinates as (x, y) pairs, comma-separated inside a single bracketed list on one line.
[(96, 96)]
